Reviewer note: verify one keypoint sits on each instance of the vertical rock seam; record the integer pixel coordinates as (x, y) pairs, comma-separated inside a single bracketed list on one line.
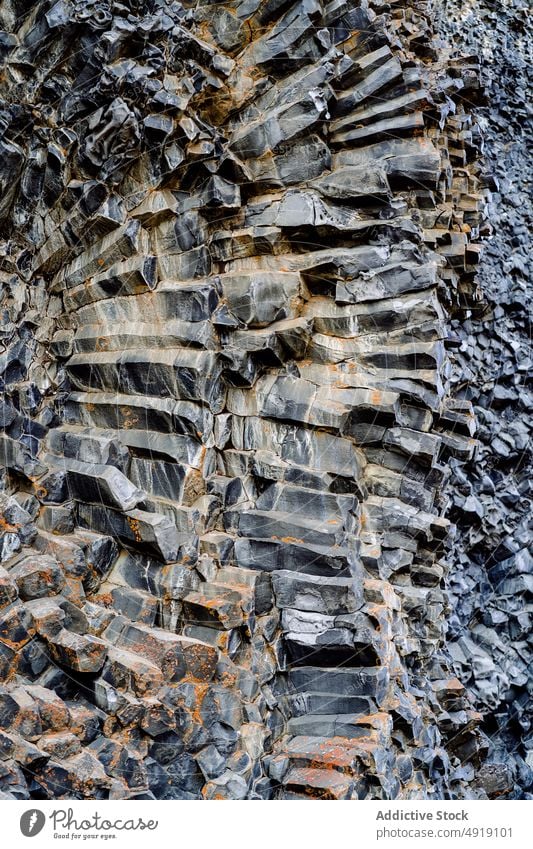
[(234, 237)]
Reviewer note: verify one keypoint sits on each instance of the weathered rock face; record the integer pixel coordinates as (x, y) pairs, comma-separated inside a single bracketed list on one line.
[(234, 238), (491, 566)]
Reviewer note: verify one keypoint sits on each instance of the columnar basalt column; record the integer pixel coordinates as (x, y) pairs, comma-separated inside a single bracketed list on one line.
[(233, 238)]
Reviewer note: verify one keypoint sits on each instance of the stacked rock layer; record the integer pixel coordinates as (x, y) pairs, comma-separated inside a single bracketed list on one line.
[(233, 240)]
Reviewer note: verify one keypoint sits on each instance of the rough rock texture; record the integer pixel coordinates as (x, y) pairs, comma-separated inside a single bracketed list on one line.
[(491, 568), (234, 238)]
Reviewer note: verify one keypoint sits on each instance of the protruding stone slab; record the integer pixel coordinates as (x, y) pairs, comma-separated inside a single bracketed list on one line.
[(136, 529), (78, 652), (316, 593), (37, 577)]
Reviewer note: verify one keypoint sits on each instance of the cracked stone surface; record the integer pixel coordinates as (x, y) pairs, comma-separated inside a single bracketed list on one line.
[(490, 564), (239, 246)]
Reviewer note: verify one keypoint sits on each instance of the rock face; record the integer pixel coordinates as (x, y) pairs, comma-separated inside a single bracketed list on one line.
[(234, 238), (491, 566)]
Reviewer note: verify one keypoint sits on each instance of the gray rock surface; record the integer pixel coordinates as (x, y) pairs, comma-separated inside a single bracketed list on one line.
[(489, 635), (234, 241)]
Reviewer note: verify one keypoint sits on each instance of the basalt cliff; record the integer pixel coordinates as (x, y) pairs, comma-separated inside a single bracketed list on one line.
[(238, 259)]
